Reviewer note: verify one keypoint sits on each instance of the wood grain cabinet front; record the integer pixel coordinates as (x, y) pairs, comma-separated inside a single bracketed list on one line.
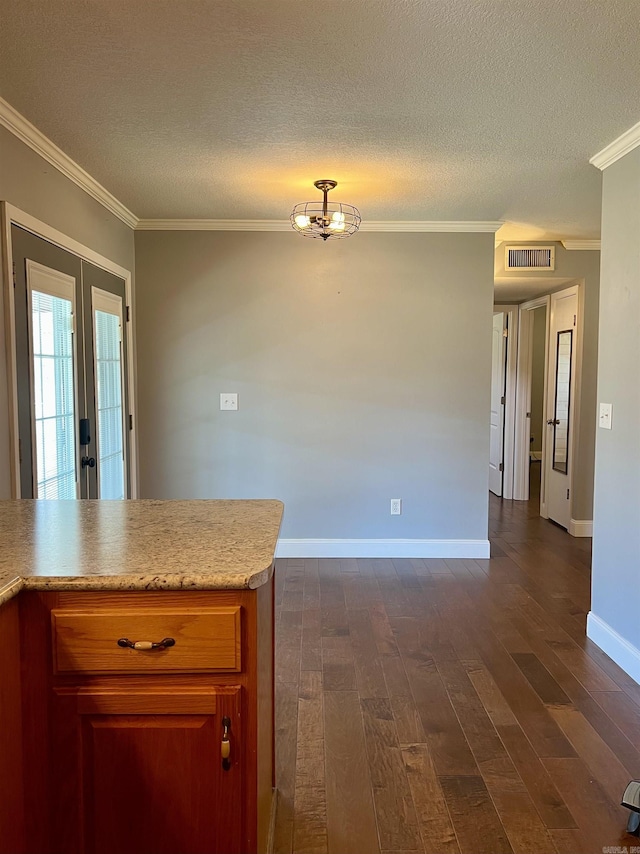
[(132, 639), (130, 748), (141, 770)]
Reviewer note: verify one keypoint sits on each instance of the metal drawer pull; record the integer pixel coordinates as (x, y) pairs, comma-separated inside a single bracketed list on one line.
[(163, 644), (226, 744)]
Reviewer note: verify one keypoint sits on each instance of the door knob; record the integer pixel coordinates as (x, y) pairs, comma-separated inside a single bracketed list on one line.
[(88, 461), (553, 421)]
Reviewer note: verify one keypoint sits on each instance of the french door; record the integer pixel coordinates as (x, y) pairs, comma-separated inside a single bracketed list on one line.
[(71, 367)]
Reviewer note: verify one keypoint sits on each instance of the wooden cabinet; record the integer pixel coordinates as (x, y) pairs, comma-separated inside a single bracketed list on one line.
[(11, 802), (123, 746), (140, 771)]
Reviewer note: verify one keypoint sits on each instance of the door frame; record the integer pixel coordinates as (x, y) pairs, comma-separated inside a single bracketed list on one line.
[(511, 312), (523, 401), (11, 215)]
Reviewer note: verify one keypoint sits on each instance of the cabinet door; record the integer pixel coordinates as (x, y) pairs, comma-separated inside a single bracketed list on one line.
[(145, 771)]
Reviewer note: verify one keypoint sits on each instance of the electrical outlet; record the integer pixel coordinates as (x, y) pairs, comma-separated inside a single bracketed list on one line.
[(228, 400), (605, 415), (396, 506)]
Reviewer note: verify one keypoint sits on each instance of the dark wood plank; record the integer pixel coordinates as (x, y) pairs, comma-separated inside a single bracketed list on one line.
[(286, 750), (598, 819), (496, 767), (350, 810), (369, 675), (597, 756), (492, 699), (535, 776), (540, 679), (434, 821), (338, 670), (288, 646), (405, 713), (623, 712), (310, 806), (311, 642), (449, 748), (474, 816), (395, 812), (525, 829)]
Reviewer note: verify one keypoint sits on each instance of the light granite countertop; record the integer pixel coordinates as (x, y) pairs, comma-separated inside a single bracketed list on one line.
[(136, 545)]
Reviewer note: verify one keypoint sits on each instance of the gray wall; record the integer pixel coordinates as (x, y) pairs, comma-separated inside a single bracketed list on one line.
[(582, 265), (616, 538), (37, 188), (363, 369), (537, 376)]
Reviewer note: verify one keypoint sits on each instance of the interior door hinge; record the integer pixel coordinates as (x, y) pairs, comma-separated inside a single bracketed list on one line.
[(14, 274), (528, 415), (505, 333), (128, 313), (574, 319), (503, 400), (501, 467), (567, 494), (131, 422)]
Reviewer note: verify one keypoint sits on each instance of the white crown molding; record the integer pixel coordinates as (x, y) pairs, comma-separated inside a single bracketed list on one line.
[(625, 143), (383, 548), (432, 226), (285, 225), (16, 123), (581, 244), (214, 225)]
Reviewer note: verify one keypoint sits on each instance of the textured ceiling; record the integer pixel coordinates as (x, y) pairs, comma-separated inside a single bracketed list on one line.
[(421, 109)]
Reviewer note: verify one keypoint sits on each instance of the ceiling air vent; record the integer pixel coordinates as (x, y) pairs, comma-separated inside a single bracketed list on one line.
[(530, 258)]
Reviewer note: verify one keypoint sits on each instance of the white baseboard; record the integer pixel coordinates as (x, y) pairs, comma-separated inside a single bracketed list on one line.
[(581, 527), (620, 650), (383, 548)]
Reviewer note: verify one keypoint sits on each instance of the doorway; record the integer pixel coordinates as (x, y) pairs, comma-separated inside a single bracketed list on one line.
[(548, 363), (70, 373)]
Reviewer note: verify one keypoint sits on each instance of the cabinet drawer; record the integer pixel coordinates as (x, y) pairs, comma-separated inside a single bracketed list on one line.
[(205, 639)]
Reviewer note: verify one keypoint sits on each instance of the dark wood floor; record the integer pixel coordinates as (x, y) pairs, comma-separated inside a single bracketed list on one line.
[(451, 706)]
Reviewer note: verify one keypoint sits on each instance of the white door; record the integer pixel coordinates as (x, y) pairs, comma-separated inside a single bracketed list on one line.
[(561, 396), (498, 363)]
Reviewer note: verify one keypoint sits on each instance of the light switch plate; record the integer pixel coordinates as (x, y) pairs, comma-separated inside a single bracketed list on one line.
[(605, 416), (228, 400)]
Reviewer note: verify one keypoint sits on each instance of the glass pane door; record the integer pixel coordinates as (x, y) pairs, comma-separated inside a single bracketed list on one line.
[(108, 372), (71, 369), (51, 326)]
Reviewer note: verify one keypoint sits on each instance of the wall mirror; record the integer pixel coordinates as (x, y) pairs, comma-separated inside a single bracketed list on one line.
[(562, 401)]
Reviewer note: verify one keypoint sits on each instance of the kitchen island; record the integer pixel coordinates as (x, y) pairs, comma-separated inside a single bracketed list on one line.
[(136, 676)]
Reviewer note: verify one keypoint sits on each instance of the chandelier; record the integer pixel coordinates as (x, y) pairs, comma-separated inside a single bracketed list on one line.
[(325, 219)]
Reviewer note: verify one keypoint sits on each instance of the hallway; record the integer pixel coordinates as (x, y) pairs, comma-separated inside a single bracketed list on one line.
[(451, 707)]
